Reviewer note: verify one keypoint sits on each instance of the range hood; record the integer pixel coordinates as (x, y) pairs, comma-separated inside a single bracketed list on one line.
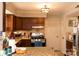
[(37, 26)]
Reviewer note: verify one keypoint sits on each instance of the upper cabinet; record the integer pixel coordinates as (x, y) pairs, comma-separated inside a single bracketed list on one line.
[(9, 22), (38, 21), (22, 23), (14, 23), (17, 23), (26, 23)]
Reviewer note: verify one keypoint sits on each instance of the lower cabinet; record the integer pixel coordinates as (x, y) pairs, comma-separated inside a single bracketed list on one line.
[(24, 43), (33, 45), (38, 43), (28, 43), (69, 47)]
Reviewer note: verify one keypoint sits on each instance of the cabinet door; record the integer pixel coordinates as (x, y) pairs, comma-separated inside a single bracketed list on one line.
[(38, 21), (9, 22), (18, 22), (34, 21), (27, 24), (69, 46), (14, 23)]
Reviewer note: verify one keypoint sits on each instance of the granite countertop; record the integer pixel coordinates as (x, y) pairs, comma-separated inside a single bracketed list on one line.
[(34, 51), (37, 51)]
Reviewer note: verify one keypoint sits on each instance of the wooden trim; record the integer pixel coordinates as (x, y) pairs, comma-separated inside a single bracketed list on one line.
[(4, 7)]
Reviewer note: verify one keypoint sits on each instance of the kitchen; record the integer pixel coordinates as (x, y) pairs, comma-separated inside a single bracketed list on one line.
[(23, 31), (30, 32)]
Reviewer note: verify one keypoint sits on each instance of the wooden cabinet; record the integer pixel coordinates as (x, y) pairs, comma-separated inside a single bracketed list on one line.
[(14, 23), (69, 47), (22, 23), (9, 22), (18, 23), (41, 21), (24, 43), (38, 21), (27, 24)]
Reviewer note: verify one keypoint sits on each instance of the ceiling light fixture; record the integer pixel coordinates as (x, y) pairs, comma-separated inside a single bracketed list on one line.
[(45, 9)]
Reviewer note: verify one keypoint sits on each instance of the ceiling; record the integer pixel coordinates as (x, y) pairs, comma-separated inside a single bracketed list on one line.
[(56, 8)]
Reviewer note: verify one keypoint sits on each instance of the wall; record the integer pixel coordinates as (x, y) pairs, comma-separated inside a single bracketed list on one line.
[(56, 29), (1, 16), (63, 34), (65, 28), (1, 23), (52, 31), (66, 20)]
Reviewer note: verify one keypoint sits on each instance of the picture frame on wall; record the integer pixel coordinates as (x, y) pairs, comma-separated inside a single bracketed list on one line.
[(70, 23)]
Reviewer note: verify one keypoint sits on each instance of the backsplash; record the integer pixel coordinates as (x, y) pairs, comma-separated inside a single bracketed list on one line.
[(28, 32)]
